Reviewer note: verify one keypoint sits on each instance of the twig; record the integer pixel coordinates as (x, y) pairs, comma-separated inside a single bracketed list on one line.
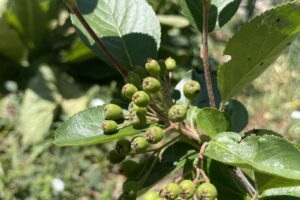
[(120, 68), (243, 179), (200, 171), (204, 53)]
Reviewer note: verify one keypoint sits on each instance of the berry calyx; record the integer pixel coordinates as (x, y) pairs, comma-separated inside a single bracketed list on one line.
[(170, 191), (151, 195), (177, 113), (154, 134), (114, 157), (133, 78), (130, 189), (128, 90), (123, 147), (187, 189), (139, 144), (153, 68), (207, 190), (141, 99), (112, 112), (191, 89), (151, 85), (129, 168), (109, 126), (170, 64)]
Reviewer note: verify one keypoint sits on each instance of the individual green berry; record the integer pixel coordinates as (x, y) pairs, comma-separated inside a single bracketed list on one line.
[(187, 189), (151, 195), (208, 191), (191, 89), (130, 189), (123, 147), (170, 191), (141, 99), (113, 112), (151, 85), (128, 90), (114, 157), (170, 64), (139, 121), (153, 68), (109, 126), (177, 113), (154, 134), (129, 168), (139, 144), (140, 111), (133, 78)]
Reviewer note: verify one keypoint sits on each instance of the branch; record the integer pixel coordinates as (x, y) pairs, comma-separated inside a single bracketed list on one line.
[(204, 53), (243, 179), (120, 68)]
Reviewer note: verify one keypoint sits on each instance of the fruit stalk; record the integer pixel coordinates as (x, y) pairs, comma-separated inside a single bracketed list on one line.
[(204, 53), (120, 68)]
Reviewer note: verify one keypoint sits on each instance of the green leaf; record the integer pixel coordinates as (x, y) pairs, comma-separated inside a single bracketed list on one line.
[(266, 181), (30, 20), (238, 115), (85, 129), (128, 28), (39, 104), (174, 157), (208, 121), (227, 184), (221, 11), (284, 193), (257, 45), (266, 154), (79, 52), (10, 42)]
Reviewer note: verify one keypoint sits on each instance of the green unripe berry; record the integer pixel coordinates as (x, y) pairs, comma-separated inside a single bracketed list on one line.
[(139, 144), (141, 99), (123, 147), (130, 189), (208, 191), (191, 89), (133, 78), (151, 195), (129, 168), (139, 121), (151, 85), (154, 134), (113, 112), (187, 189), (170, 64), (114, 157), (109, 126), (170, 191), (153, 68), (128, 90), (177, 113)]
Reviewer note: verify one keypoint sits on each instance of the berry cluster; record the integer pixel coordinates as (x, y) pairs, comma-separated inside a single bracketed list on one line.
[(151, 109), (185, 190)]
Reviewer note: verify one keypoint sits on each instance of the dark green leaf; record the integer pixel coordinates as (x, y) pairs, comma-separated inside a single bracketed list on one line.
[(85, 129), (173, 157), (237, 114), (266, 154), (284, 193), (219, 14), (227, 185), (256, 46), (128, 28)]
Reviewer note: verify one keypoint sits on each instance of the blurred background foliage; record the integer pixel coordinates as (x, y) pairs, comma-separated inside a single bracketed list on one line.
[(47, 75)]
